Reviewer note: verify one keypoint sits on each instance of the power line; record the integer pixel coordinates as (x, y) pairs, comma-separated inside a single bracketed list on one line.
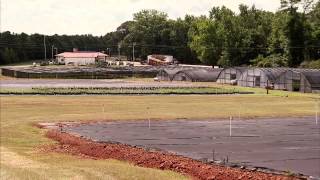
[(45, 48), (0, 18), (155, 46), (31, 44)]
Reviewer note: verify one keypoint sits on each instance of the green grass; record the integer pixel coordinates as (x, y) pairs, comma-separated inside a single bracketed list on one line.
[(19, 139)]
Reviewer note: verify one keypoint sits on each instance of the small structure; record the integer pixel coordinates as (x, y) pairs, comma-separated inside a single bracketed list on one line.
[(260, 77), (288, 79), (168, 74), (190, 66), (303, 80), (80, 58), (231, 75), (157, 59), (310, 82), (197, 75)]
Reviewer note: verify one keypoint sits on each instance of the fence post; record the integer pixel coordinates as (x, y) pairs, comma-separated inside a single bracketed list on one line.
[(317, 112), (103, 112), (230, 127), (148, 114), (213, 155)]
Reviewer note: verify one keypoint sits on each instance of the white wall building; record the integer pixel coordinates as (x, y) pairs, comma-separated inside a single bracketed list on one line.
[(79, 58)]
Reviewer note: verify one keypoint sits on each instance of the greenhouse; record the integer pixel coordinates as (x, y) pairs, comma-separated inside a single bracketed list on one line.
[(230, 75), (260, 77), (303, 80), (197, 75), (311, 82), (167, 74), (288, 79)]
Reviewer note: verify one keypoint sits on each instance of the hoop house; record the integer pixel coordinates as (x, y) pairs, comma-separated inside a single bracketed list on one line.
[(167, 74), (303, 80), (197, 75), (260, 77), (311, 82), (230, 75)]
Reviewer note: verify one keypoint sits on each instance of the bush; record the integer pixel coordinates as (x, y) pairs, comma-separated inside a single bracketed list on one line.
[(311, 64), (44, 63), (275, 60)]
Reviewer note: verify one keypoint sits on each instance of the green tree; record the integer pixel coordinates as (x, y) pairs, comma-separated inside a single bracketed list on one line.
[(207, 39), (274, 60), (9, 56), (313, 20), (278, 41), (150, 28), (295, 30)]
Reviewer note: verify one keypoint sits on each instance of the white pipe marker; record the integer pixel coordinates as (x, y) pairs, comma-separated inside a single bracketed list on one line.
[(230, 130)]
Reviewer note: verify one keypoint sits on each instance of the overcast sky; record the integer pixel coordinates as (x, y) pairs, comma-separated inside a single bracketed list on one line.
[(98, 17)]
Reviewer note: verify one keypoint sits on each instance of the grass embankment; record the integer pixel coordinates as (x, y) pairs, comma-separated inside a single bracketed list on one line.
[(124, 90), (19, 139)]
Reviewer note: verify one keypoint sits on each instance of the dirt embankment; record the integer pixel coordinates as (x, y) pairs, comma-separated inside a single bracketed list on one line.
[(138, 156)]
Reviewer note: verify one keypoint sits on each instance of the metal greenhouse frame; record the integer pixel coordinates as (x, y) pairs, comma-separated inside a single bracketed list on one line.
[(230, 75), (167, 74), (288, 79), (303, 80), (197, 75), (260, 77)]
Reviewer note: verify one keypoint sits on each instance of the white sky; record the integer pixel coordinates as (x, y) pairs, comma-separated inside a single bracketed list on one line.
[(98, 17)]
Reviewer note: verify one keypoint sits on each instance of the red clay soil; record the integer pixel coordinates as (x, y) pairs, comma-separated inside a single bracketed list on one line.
[(140, 157)]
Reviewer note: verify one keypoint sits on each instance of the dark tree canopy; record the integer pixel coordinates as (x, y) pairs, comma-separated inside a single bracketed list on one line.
[(252, 37)]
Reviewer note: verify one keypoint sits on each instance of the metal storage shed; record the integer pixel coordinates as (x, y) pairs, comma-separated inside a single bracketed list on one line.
[(197, 75)]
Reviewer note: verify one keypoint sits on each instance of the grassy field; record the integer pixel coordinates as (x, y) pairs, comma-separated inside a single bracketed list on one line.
[(19, 139)]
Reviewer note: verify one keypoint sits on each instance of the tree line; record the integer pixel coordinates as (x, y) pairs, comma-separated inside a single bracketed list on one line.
[(289, 37)]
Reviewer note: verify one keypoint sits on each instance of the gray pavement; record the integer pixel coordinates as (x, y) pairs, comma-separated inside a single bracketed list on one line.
[(287, 144)]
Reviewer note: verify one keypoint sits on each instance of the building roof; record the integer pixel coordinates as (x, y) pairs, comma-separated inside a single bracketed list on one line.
[(81, 54), (313, 77), (201, 75)]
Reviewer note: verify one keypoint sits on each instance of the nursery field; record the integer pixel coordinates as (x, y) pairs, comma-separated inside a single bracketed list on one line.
[(21, 140)]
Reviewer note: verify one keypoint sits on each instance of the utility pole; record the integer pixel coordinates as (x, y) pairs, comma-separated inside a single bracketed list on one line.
[(133, 51), (45, 48), (0, 19), (119, 53), (108, 52), (52, 51)]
